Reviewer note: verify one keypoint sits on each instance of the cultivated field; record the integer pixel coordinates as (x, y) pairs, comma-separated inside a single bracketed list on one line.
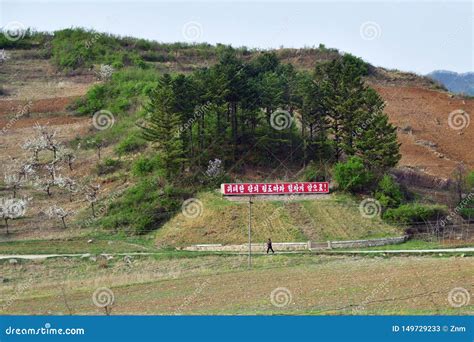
[(182, 283)]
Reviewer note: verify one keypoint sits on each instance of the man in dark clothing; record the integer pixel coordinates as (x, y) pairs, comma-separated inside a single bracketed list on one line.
[(269, 246)]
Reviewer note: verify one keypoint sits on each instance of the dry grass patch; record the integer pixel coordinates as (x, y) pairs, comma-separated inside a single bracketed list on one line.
[(223, 285), (226, 222)]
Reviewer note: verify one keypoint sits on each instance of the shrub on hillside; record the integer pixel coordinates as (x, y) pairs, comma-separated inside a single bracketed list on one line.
[(79, 48), (122, 92), (153, 56), (466, 207), (352, 175), (388, 192), (29, 39), (470, 180), (144, 207), (132, 143), (316, 172), (468, 212), (413, 213), (93, 101), (144, 165), (108, 166)]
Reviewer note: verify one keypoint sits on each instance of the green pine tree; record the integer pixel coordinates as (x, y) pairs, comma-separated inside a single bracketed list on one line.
[(163, 127), (377, 144), (343, 95), (314, 121), (355, 119)]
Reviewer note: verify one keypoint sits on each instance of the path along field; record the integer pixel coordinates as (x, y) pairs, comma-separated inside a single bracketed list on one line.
[(186, 283)]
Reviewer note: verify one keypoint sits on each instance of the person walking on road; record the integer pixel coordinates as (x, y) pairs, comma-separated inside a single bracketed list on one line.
[(269, 246)]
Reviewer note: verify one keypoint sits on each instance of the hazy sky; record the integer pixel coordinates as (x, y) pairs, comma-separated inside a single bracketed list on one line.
[(418, 36)]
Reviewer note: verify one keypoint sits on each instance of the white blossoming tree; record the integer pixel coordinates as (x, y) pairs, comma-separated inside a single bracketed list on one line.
[(69, 184), (105, 72), (3, 56), (13, 182), (56, 212), (12, 208), (214, 168), (48, 139), (53, 178), (68, 156), (17, 175), (92, 196), (35, 145), (27, 169)]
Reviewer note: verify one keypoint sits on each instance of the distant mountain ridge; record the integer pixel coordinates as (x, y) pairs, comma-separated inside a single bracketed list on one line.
[(457, 83)]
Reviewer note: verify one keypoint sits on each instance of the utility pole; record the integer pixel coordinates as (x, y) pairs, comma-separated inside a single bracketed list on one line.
[(250, 231)]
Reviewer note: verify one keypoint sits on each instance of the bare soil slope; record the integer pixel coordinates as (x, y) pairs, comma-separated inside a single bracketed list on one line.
[(428, 141)]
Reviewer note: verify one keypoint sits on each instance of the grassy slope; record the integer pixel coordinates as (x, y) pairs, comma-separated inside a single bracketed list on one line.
[(222, 285), (225, 222), (421, 244)]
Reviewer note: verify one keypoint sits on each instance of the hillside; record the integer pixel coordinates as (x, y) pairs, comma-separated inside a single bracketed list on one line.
[(36, 91), (224, 221), (413, 104), (429, 143), (455, 82)]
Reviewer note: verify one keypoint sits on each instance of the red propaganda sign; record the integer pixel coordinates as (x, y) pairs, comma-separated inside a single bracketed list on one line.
[(247, 189)]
